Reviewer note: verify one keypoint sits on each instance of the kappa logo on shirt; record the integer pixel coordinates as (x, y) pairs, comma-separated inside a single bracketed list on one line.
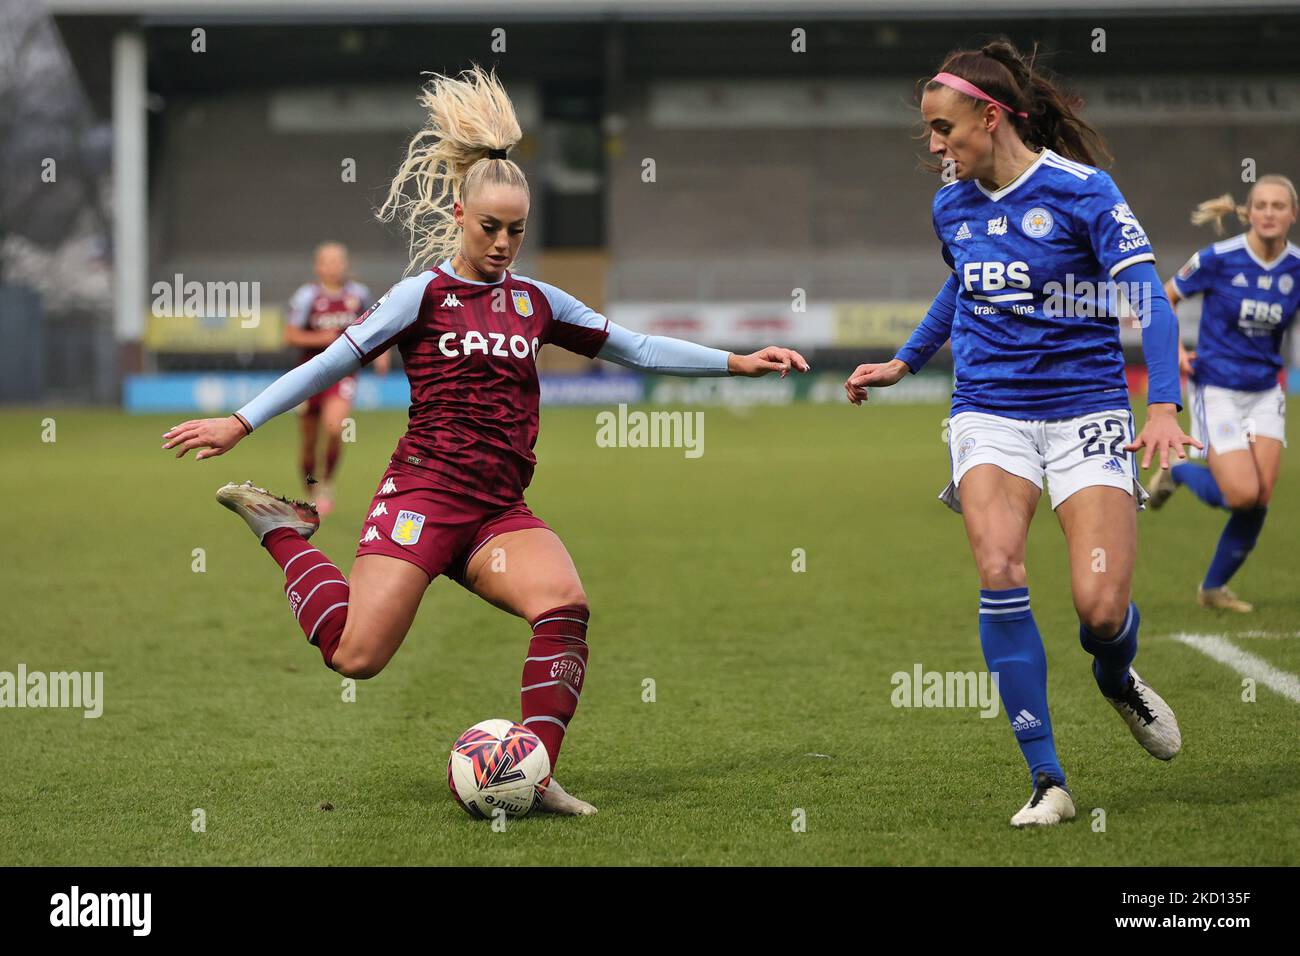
[(380, 510), (389, 487), (407, 527), (451, 301)]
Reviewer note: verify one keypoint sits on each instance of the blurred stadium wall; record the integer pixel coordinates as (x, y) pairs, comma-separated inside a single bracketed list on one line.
[(209, 139)]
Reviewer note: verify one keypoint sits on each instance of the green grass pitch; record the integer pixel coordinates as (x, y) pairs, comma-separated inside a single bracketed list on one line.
[(772, 687)]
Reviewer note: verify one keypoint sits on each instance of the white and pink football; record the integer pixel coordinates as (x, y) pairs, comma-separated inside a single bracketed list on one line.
[(498, 765)]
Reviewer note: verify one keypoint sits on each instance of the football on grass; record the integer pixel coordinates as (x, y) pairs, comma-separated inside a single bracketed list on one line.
[(498, 765)]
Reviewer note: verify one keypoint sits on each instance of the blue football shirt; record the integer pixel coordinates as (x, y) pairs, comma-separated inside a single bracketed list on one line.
[(1035, 334), (1247, 306)]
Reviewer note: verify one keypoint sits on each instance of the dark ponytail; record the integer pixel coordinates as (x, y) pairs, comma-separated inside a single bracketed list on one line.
[(1000, 70)]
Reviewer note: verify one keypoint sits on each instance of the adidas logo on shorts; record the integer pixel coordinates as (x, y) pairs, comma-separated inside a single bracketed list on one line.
[(1113, 466)]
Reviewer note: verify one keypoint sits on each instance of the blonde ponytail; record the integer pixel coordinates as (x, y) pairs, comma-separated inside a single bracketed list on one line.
[(1213, 210), (460, 150)]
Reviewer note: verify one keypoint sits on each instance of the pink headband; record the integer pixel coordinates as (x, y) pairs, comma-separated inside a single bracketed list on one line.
[(970, 89)]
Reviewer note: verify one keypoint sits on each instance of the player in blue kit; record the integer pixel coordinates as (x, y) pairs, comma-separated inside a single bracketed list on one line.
[(1250, 288), (1045, 254)]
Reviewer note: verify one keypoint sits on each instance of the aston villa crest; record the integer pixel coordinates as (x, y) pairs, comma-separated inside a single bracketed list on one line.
[(523, 304)]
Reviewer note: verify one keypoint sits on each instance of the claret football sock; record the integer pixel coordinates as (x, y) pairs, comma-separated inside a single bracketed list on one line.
[(1200, 480), (1236, 542), (553, 674), (1013, 650), (316, 589), (1112, 658)]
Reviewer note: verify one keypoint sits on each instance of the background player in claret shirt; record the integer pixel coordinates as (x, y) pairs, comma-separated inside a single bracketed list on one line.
[(1040, 388), (1251, 289), (318, 313), (469, 331)]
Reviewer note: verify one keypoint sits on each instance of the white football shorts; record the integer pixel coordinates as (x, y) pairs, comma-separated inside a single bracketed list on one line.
[(1070, 453), (1227, 420)]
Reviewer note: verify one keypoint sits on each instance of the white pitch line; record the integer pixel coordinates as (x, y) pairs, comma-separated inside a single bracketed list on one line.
[(1244, 663)]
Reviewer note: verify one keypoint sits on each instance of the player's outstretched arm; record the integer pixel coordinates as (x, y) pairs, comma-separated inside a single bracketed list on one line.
[(216, 436), (1161, 434), (669, 356), (928, 338), (874, 375), (770, 359), (370, 336), (579, 328)]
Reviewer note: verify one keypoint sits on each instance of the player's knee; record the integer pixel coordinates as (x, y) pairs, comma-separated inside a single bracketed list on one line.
[(1000, 570), (1104, 614), (357, 661), (573, 596), (568, 596), (1241, 497), (1240, 494)]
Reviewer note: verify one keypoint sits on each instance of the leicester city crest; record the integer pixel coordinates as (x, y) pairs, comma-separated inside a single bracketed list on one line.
[(1036, 223), (523, 304)]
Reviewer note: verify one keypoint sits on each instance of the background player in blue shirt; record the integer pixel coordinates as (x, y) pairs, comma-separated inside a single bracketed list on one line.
[(1040, 243), (1251, 289)]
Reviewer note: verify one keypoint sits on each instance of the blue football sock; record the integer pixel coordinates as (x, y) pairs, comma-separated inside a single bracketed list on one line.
[(1013, 649), (1200, 480), (1239, 536), (1112, 658)]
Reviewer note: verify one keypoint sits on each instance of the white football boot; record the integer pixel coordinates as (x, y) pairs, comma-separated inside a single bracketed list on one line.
[(1161, 485), (1050, 804), (557, 800), (1152, 720), (265, 512)]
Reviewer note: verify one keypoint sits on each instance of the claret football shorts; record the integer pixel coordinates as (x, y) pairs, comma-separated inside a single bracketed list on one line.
[(435, 529), (1070, 454)]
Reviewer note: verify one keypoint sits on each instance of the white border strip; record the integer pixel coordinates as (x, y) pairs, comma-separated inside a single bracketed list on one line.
[(1244, 663)]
